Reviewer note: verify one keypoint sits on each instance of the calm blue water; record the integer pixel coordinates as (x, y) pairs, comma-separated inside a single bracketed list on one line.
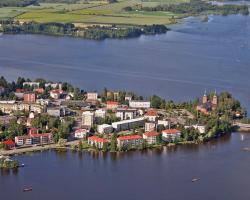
[(179, 65)]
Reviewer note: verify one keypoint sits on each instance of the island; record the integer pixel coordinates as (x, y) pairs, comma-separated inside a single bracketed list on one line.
[(39, 115), (102, 19)]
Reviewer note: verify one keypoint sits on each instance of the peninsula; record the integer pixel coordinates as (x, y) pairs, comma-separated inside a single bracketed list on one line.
[(39, 114), (103, 19)]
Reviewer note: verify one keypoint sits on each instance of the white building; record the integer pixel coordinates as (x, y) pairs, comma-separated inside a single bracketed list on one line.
[(100, 113), (88, 118), (164, 123), (54, 85), (126, 113), (139, 104), (81, 133), (104, 129), (31, 84), (128, 124), (92, 96), (200, 128), (151, 137), (170, 135), (150, 126)]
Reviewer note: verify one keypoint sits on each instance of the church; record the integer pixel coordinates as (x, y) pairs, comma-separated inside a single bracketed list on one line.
[(206, 105)]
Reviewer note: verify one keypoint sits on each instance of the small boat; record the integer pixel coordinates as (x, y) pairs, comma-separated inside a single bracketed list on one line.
[(29, 189), (195, 179), (246, 149)]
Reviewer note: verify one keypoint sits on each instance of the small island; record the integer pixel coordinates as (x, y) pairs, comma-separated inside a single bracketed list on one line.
[(39, 115), (99, 20)]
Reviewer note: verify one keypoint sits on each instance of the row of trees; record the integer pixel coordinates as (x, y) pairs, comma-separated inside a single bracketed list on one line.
[(94, 32), (195, 7)]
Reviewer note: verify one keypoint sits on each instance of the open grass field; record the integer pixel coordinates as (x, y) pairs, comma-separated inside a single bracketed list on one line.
[(94, 12)]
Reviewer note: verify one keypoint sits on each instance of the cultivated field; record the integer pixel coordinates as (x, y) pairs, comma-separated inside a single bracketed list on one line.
[(96, 12)]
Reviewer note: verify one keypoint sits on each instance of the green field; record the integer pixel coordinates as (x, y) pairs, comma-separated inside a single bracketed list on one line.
[(93, 12)]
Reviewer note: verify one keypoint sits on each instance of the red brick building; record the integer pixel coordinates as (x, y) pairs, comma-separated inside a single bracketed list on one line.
[(29, 98)]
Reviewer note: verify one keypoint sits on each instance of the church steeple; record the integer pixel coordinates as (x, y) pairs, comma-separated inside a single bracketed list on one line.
[(204, 98), (215, 98)]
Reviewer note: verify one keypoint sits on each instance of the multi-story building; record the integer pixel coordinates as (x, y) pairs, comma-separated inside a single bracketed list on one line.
[(23, 140), (112, 105), (128, 124), (139, 104), (88, 118), (92, 96), (44, 138), (130, 140), (150, 126), (126, 113), (151, 137), (29, 97), (97, 141), (105, 129), (56, 111)]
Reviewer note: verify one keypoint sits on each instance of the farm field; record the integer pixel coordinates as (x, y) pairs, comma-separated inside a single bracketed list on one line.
[(96, 12)]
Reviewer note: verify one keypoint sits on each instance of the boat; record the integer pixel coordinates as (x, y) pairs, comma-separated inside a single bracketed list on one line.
[(246, 149), (28, 189), (195, 179)]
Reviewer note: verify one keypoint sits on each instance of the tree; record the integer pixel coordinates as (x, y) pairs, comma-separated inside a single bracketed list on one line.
[(113, 144)]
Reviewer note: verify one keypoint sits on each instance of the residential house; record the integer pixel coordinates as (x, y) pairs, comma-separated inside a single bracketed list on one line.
[(151, 115), (56, 93), (81, 133), (9, 144), (169, 135)]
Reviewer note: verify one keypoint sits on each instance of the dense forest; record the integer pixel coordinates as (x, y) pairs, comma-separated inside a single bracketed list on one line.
[(195, 7), (95, 32)]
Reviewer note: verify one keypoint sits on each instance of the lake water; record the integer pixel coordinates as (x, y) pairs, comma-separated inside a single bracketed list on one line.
[(179, 65), (222, 167)]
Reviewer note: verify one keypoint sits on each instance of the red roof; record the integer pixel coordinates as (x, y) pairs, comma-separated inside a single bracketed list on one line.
[(112, 102), (20, 90), (80, 130), (151, 134), (130, 137), (151, 112), (9, 142), (57, 91), (171, 131), (97, 139)]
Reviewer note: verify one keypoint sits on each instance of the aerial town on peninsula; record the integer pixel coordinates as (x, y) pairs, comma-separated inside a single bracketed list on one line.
[(36, 114)]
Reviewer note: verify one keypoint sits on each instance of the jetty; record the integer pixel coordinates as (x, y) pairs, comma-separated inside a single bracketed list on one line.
[(242, 127)]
